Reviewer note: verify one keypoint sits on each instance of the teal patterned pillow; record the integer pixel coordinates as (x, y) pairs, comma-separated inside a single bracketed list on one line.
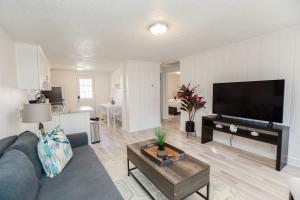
[(54, 151)]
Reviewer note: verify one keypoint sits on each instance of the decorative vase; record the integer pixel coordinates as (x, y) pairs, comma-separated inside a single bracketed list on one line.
[(190, 126)]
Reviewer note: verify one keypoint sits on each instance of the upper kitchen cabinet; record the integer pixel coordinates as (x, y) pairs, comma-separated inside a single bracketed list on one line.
[(33, 67)]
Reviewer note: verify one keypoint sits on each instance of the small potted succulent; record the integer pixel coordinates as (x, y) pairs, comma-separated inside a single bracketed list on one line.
[(161, 136)]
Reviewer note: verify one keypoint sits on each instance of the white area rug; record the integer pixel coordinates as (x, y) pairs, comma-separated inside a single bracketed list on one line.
[(131, 190)]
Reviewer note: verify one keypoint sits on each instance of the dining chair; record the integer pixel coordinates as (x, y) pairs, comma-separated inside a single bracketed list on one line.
[(116, 113), (101, 112)]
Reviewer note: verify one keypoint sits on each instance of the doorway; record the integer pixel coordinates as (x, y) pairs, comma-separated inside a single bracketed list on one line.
[(86, 92), (170, 83)]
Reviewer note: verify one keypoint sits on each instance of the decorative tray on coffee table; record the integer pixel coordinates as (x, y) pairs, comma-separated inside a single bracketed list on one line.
[(172, 154)]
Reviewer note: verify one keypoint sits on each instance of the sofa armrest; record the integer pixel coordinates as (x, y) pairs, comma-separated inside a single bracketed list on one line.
[(78, 139), (294, 185)]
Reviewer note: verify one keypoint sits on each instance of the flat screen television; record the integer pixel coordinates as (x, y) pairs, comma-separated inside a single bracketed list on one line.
[(258, 100)]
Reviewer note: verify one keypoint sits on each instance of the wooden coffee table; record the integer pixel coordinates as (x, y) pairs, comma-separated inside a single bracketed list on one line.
[(176, 181)]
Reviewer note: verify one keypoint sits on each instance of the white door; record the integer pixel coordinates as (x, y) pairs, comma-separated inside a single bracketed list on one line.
[(86, 91)]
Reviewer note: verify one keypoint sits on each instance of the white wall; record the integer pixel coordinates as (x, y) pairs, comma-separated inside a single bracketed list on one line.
[(67, 79), (271, 56), (141, 95), (117, 85), (294, 150), (173, 84), (11, 98)]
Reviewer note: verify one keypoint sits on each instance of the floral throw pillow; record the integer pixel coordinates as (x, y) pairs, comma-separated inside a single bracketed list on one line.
[(54, 151)]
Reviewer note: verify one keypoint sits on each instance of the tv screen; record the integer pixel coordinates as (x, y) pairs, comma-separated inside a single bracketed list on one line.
[(259, 100)]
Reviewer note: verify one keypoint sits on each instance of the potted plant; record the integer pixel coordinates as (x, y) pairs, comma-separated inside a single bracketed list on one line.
[(161, 136), (191, 103)]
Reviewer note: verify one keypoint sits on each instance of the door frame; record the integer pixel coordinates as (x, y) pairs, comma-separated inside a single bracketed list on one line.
[(91, 101)]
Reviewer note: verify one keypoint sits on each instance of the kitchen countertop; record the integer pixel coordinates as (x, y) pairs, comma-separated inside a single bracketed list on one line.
[(71, 111)]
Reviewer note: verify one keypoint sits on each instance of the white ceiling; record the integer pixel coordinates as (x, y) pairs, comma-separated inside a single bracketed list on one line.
[(101, 33)]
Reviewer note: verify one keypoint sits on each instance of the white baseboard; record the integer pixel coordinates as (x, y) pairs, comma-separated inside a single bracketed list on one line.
[(293, 161), (144, 128)]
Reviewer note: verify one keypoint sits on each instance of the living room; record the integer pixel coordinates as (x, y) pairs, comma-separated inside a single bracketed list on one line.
[(86, 112)]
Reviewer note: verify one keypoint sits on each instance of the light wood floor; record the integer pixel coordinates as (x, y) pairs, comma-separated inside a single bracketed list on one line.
[(253, 175)]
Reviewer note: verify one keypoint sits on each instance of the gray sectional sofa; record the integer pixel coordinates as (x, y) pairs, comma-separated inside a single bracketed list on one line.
[(22, 177)]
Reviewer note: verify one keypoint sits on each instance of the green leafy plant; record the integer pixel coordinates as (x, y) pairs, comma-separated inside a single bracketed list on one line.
[(190, 101), (161, 136)]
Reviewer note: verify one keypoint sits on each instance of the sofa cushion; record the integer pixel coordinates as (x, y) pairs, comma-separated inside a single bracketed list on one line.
[(6, 142), (17, 177), (83, 178), (27, 143)]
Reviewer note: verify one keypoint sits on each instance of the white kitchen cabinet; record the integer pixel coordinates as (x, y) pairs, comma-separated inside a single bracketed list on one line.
[(33, 67)]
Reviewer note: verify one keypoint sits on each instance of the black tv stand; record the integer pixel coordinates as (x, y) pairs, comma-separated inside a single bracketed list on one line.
[(270, 125), (219, 116), (276, 134)]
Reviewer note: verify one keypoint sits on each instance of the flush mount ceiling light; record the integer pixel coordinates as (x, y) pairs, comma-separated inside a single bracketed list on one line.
[(80, 68), (158, 28)]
